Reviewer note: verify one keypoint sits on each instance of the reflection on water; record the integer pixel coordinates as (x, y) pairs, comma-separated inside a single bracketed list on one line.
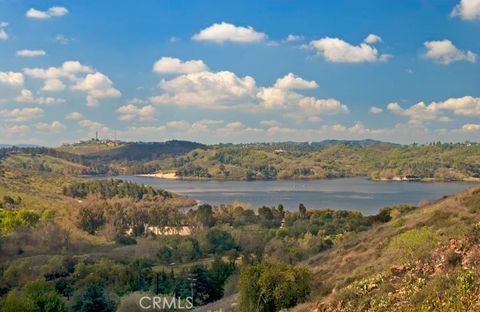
[(356, 193)]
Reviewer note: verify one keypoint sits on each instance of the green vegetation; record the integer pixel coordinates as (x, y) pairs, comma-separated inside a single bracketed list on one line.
[(269, 288), (440, 162), (71, 244)]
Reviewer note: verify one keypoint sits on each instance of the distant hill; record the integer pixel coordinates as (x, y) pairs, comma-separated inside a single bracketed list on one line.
[(18, 145), (130, 151), (359, 143)]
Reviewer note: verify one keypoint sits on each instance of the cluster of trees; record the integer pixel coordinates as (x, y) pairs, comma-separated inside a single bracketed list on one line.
[(114, 188), (193, 171), (116, 216), (93, 285)]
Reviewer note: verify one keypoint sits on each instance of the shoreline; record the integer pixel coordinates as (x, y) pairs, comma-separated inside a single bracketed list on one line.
[(173, 176)]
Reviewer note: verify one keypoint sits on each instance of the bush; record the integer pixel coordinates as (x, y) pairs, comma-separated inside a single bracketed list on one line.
[(413, 244)]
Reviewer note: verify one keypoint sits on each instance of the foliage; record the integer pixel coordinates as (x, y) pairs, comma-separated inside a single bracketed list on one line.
[(266, 287), (113, 188), (93, 299)]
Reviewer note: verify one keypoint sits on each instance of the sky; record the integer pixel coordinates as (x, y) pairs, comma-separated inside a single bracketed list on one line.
[(239, 71)]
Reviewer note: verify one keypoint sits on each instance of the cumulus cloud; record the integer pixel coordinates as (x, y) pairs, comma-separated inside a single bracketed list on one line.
[(53, 85), (13, 79), (131, 111), (69, 70), (467, 9), (11, 84), (471, 127), (31, 53), (52, 12), (291, 81), (372, 38), (375, 110), (21, 114), (170, 65), (3, 32), (463, 106), (336, 50), (445, 52), (26, 96), (222, 32), (82, 78), (207, 89), (97, 86), (74, 116), (53, 127), (293, 38)]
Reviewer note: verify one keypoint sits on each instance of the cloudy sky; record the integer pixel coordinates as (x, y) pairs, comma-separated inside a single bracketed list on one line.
[(239, 71)]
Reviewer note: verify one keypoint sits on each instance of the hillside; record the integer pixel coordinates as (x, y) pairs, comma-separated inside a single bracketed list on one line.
[(129, 151), (380, 161), (423, 260)]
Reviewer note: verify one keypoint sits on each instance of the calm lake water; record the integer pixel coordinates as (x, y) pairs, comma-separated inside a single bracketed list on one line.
[(356, 193)]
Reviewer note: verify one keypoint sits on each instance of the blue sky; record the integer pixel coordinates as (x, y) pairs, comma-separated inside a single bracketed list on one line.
[(244, 71)]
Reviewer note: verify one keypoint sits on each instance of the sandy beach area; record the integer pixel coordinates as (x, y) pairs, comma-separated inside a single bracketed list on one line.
[(160, 175)]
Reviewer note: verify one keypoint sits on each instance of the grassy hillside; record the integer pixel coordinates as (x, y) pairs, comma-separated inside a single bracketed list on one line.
[(422, 260), (441, 162)]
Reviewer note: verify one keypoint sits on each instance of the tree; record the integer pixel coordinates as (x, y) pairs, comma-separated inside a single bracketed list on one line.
[(204, 216), (269, 288), (93, 300), (302, 210), (90, 217), (219, 241), (37, 296)]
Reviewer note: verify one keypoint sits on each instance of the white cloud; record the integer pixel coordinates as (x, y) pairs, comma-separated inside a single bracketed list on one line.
[(14, 131), (53, 85), (31, 53), (444, 52), (291, 81), (225, 90), (52, 12), (26, 96), (372, 38), (13, 79), (3, 32), (170, 65), (97, 86), (467, 9), (131, 111), (11, 84), (336, 50), (74, 116), (207, 89), (21, 114), (471, 127), (69, 70), (375, 110), (465, 106), (53, 127), (222, 32), (293, 38), (316, 106)]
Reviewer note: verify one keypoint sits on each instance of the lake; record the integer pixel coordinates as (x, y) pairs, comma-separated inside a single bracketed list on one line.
[(357, 193)]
